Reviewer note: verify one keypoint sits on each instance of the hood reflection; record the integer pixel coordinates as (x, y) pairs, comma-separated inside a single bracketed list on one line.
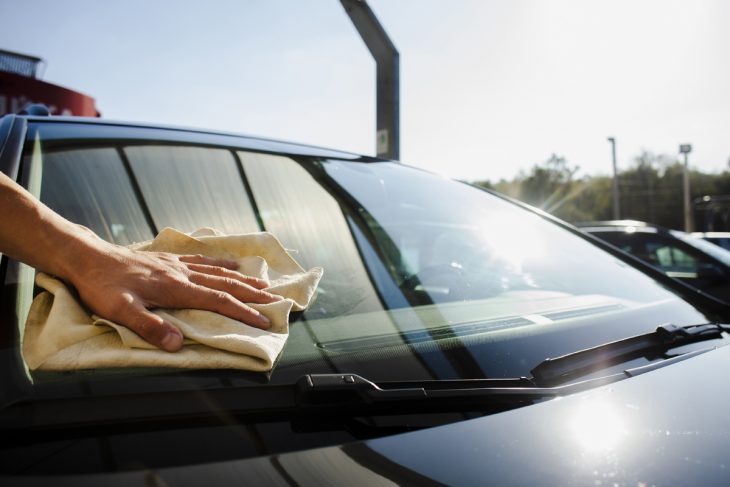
[(598, 427)]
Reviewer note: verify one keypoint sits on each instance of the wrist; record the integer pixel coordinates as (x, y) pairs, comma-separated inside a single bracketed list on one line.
[(75, 248)]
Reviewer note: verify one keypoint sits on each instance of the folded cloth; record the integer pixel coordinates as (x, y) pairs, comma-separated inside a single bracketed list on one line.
[(60, 334)]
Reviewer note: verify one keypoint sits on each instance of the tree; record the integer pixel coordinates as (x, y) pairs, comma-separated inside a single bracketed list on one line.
[(548, 183), (651, 190)]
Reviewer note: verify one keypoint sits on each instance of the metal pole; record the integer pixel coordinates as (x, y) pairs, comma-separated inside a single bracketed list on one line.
[(687, 205), (616, 203), (686, 149), (387, 61)]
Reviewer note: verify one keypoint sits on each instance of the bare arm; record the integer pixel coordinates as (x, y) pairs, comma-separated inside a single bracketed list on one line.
[(120, 284)]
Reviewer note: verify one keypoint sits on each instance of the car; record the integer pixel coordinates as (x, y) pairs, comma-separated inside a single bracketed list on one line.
[(458, 337), (700, 264), (718, 238)]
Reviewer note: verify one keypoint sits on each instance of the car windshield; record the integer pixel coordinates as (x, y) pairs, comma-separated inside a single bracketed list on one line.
[(424, 277)]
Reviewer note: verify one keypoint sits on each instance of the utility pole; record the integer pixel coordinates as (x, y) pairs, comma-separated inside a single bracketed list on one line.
[(686, 149), (616, 204), (387, 61)]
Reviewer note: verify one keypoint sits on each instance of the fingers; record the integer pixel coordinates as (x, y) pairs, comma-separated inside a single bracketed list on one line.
[(223, 272), (236, 288), (205, 298), (209, 261), (222, 268), (176, 282), (151, 327)]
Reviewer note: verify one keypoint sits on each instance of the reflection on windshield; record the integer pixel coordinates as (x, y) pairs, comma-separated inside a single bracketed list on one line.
[(457, 271), (448, 242)]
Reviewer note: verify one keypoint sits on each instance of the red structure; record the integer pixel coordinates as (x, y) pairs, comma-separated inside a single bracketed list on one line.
[(19, 87)]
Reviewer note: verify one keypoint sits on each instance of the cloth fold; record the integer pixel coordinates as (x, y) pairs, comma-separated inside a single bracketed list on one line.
[(60, 334)]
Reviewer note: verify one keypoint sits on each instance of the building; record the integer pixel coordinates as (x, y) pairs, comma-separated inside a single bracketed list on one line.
[(20, 86)]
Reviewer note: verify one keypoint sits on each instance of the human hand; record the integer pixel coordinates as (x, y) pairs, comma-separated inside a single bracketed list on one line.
[(121, 285)]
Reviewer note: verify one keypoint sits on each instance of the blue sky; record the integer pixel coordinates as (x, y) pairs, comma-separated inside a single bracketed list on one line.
[(488, 88)]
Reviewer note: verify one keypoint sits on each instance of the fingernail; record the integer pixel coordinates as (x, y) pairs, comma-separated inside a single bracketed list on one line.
[(265, 321), (172, 341)]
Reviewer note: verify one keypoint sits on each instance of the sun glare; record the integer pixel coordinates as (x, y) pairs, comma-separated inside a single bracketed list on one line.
[(515, 243), (597, 427)]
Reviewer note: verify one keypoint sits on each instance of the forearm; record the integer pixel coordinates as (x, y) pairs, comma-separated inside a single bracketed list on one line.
[(33, 233)]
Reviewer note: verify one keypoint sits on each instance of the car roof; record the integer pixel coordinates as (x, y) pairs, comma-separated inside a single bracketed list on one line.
[(614, 223), (256, 142), (711, 234), (629, 226)]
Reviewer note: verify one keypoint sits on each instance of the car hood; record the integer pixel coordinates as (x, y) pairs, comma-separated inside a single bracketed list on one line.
[(665, 427)]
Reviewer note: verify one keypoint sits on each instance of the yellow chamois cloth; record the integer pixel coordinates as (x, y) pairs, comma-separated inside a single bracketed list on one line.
[(61, 334)]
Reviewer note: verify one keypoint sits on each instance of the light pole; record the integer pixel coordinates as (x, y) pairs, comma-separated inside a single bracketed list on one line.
[(686, 149), (616, 207), (387, 72)]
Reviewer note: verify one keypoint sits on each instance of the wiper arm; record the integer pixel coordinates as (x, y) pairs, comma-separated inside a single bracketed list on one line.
[(351, 392), (561, 369)]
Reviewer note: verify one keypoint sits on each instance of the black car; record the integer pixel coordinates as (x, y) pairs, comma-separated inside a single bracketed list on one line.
[(697, 262), (458, 337)]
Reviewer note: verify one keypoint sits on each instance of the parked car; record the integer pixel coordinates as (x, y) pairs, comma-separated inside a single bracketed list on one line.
[(458, 338), (697, 262), (718, 238)]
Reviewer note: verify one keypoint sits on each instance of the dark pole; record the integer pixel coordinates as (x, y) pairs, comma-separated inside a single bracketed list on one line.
[(686, 149), (387, 80), (616, 207)]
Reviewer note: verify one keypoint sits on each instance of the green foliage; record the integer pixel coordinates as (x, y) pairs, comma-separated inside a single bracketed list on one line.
[(650, 190)]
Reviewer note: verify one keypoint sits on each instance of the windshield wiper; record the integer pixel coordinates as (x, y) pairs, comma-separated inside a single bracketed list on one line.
[(551, 378), (345, 394), (558, 370)]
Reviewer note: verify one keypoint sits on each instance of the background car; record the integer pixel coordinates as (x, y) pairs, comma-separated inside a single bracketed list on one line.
[(699, 263), (423, 359), (718, 238)]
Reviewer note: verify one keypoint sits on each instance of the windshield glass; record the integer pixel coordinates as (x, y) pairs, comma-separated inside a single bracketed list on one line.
[(449, 242), (424, 277)]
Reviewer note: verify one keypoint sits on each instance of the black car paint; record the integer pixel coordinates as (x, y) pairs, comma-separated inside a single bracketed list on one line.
[(678, 434)]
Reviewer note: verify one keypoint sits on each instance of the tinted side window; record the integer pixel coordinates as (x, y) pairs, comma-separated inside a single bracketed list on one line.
[(91, 187), (192, 187), (668, 254), (672, 255)]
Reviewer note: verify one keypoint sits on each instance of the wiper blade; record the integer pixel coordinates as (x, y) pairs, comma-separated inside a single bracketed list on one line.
[(551, 378), (351, 391), (558, 370)]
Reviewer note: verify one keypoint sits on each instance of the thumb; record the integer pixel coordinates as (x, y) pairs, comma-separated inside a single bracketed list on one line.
[(152, 328)]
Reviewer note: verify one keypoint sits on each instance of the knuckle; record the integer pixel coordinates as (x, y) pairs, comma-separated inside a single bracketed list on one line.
[(120, 304), (222, 298), (232, 283)]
